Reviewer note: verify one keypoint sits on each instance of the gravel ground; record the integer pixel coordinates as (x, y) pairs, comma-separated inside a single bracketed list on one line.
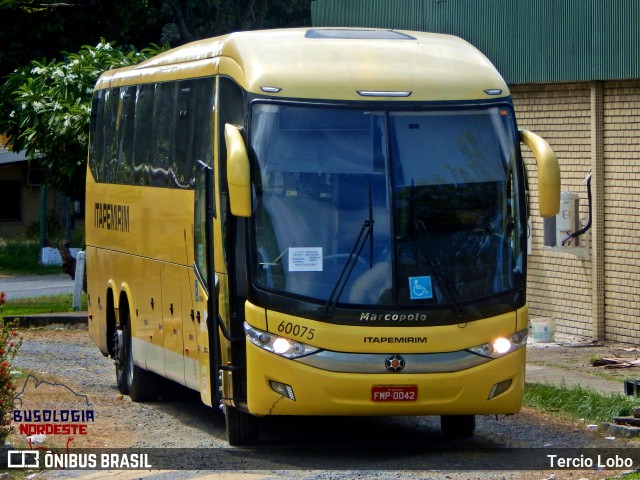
[(305, 448), (574, 353)]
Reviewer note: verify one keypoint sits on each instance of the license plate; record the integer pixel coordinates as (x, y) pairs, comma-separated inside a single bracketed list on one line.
[(394, 393)]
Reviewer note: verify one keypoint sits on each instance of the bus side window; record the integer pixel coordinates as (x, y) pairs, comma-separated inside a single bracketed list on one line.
[(194, 130), (96, 153), (203, 98), (164, 117), (202, 159), (143, 136), (125, 135), (184, 118), (110, 135)]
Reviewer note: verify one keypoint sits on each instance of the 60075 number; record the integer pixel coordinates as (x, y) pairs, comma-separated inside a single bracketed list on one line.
[(296, 330)]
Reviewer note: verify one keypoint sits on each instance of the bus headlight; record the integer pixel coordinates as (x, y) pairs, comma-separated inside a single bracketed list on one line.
[(501, 346), (282, 346)]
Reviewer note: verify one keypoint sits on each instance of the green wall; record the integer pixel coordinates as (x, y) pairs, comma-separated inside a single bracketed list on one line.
[(529, 41)]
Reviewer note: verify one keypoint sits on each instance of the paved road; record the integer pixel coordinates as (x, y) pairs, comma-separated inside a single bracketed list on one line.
[(23, 286)]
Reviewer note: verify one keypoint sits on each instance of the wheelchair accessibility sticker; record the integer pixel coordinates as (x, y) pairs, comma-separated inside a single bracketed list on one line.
[(420, 288)]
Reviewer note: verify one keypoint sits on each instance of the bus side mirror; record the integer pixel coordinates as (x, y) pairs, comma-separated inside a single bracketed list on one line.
[(238, 172), (548, 173)]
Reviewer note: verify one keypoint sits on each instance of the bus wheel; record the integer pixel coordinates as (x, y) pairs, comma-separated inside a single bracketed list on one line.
[(242, 427), (457, 426), (120, 361), (140, 384)]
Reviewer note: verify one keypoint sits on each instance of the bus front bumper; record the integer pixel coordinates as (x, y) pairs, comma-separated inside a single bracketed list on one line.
[(321, 392)]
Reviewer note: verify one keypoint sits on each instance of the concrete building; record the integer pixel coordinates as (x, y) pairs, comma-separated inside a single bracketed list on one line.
[(21, 202), (573, 67), (19, 193)]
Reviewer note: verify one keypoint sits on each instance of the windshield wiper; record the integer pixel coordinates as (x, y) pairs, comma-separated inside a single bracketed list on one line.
[(276, 260), (366, 232), (448, 285)]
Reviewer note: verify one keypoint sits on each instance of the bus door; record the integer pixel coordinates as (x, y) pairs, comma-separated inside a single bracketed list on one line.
[(203, 281)]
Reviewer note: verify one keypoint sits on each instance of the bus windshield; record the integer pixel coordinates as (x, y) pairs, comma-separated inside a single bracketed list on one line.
[(386, 208)]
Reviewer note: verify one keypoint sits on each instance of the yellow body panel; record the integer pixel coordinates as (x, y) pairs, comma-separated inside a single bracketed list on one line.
[(140, 247), (343, 338), (432, 67), (320, 392), (143, 221)]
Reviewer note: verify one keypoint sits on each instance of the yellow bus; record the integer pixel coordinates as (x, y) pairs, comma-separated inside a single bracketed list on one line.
[(319, 221)]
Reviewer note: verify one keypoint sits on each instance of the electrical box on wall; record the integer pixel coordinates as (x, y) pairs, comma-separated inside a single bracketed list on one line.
[(558, 230)]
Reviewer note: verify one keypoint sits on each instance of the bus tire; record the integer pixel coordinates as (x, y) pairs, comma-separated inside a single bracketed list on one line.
[(458, 426), (140, 384), (119, 357), (242, 427)]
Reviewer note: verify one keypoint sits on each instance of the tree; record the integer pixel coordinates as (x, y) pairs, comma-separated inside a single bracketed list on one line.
[(43, 28), (45, 109), (45, 106), (32, 29), (193, 20)]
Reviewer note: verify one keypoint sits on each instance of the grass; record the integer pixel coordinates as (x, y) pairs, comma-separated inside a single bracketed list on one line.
[(578, 402), (23, 257), (29, 306), (581, 403)]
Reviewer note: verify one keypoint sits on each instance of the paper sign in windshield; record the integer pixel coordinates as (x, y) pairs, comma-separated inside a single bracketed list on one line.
[(305, 259)]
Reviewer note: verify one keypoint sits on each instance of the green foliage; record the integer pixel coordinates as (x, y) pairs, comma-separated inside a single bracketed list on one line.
[(23, 257), (53, 231), (33, 29), (189, 21), (45, 106), (629, 476), (45, 109), (578, 402), (10, 342)]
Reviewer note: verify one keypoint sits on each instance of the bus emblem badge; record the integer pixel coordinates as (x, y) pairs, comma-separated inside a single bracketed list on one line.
[(394, 363)]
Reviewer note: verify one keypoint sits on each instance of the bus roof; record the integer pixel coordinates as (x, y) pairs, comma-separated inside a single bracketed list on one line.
[(330, 63)]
